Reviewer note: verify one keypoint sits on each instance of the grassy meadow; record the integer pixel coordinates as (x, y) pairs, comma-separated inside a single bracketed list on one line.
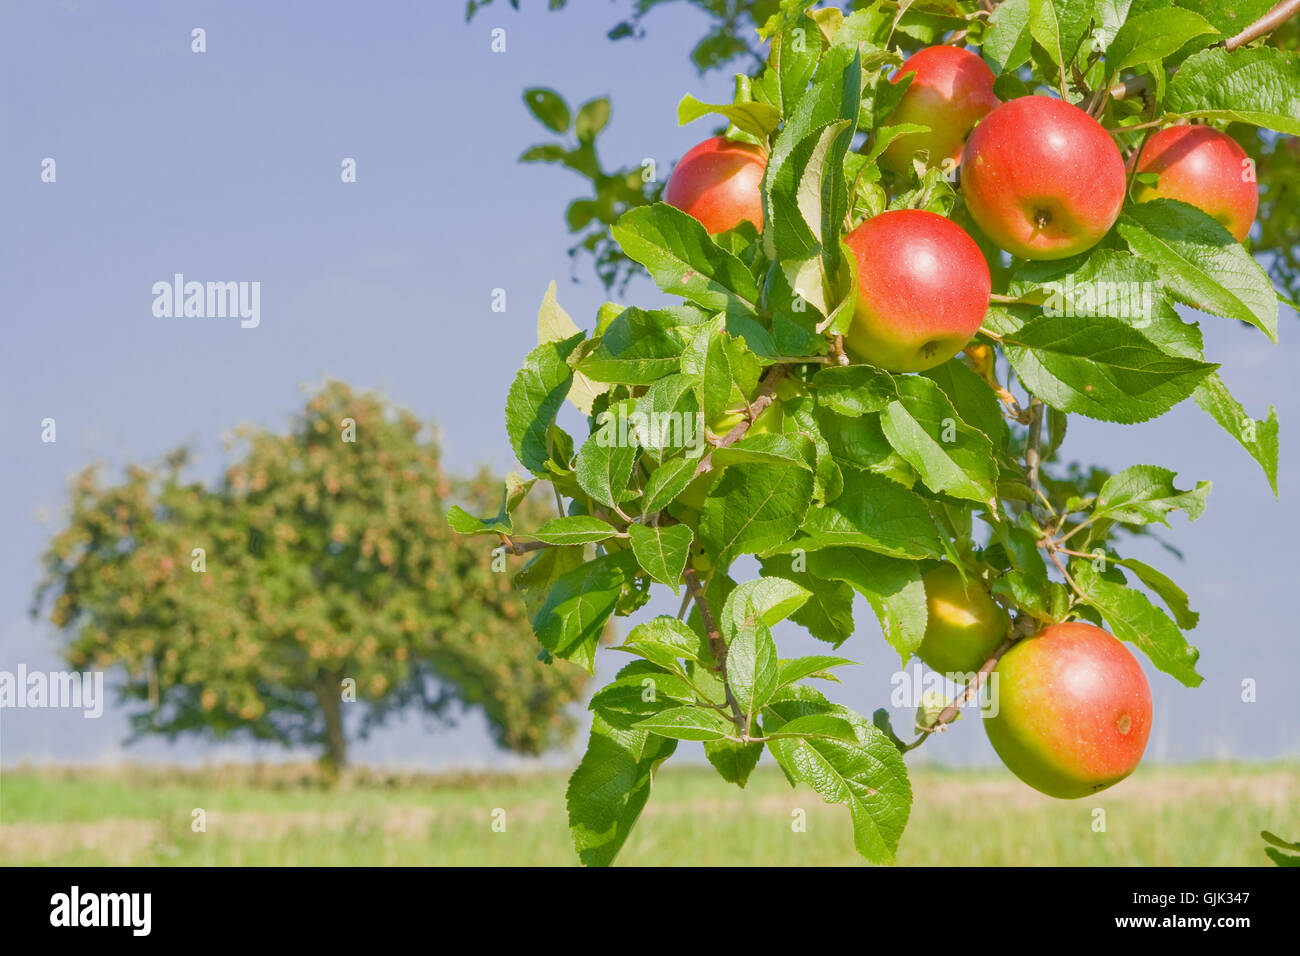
[(1207, 814)]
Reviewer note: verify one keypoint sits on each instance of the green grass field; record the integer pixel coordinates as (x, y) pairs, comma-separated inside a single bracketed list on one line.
[(1201, 814)]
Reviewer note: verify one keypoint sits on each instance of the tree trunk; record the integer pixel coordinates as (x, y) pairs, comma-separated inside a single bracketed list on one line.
[(329, 694)]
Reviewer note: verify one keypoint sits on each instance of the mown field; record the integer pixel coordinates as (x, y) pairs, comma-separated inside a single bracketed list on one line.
[(1200, 814)]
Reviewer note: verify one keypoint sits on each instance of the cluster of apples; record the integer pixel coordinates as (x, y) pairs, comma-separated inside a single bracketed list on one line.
[(1041, 179)]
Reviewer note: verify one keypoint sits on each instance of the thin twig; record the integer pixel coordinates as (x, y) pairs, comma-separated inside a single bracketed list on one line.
[(1033, 458), (517, 548), (1066, 574), (766, 395), (717, 646), (1024, 624), (1279, 14)]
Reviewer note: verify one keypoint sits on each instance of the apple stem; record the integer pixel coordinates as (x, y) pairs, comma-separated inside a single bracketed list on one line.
[(837, 350)]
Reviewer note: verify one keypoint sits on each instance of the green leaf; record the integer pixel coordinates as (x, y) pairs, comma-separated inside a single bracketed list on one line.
[(892, 587), (1200, 262), (1110, 283), (1058, 26), (640, 347), (662, 552), (853, 390), (604, 464), (688, 723), (536, 578), (828, 612), (591, 119), (667, 418), (1277, 841), (1145, 494), (571, 621), (554, 325), (462, 522), (545, 153), (753, 668), (535, 398), (817, 665), (1169, 592), (731, 373), (757, 119), (808, 199), (1259, 438), (1038, 597), (973, 399), (670, 639), (1110, 16), (827, 726), (1258, 85), (790, 449), (764, 600), (684, 260), (1007, 42), (950, 456), (576, 529), (667, 482), (754, 507), (549, 108), (804, 183), (640, 689), (1133, 618), (799, 416), (610, 787), (874, 513), (867, 775), (1228, 16), (1100, 367), (733, 761), (861, 443), (1153, 35)]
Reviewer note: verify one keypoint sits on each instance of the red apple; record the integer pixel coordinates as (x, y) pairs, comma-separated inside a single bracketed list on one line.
[(1204, 168), (923, 290), (719, 182), (963, 623), (1073, 710), (1042, 178), (951, 89)]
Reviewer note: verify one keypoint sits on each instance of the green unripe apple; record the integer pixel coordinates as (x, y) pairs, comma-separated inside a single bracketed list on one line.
[(963, 623), (693, 495), (1073, 710), (768, 422)]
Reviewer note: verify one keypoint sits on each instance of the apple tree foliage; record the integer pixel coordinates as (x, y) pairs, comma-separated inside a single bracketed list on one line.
[(874, 477), (320, 557)]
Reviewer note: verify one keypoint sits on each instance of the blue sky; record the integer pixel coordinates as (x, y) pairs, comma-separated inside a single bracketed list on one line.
[(225, 166)]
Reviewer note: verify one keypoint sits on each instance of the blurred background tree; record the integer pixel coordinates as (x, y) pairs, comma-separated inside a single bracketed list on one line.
[(318, 577), (731, 40)]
